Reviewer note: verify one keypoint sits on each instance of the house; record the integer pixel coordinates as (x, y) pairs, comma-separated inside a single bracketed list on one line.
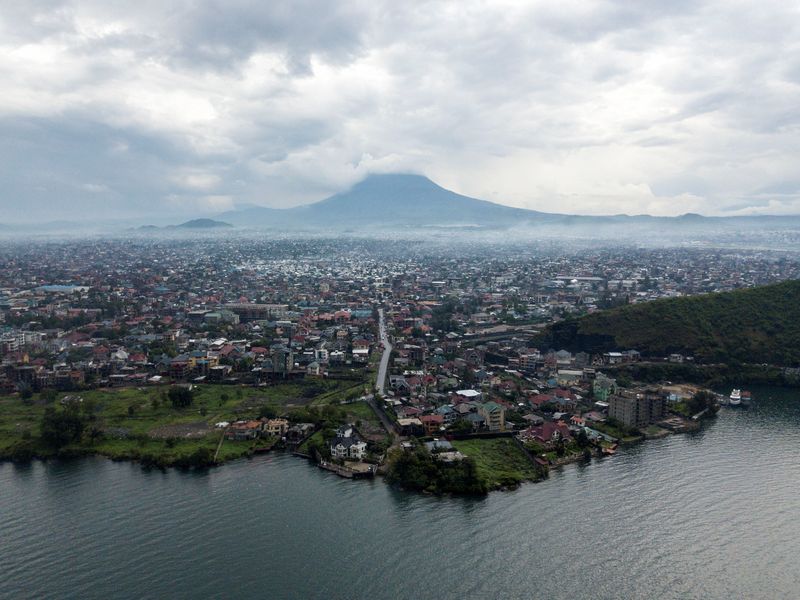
[(548, 433), (276, 427), (347, 444), (577, 421), (539, 400), (432, 423), (244, 430), (443, 451), (477, 421), (438, 445), (603, 387), (594, 416), (410, 426), (399, 384), (299, 432), (568, 377), (448, 413), (314, 368), (468, 395), (494, 416)]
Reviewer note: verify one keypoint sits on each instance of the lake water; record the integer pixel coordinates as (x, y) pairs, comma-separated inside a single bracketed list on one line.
[(714, 514)]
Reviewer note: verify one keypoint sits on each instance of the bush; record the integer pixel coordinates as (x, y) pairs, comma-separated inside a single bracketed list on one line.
[(181, 397), (59, 428), (419, 470)]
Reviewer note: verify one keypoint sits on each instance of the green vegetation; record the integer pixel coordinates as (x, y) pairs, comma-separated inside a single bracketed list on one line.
[(500, 462), (710, 376), (757, 325), (179, 396), (359, 411), (331, 416), (419, 470), (696, 404), (618, 430), (314, 444), (158, 426)]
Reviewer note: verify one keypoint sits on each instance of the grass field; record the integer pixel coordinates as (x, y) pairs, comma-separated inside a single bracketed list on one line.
[(140, 422), (316, 438), (360, 411), (500, 461)]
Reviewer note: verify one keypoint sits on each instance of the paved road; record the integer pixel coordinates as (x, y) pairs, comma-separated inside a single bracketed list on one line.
[(380, 384), (385, 421)]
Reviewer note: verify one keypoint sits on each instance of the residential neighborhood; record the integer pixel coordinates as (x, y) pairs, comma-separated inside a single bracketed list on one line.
[(438, 346)]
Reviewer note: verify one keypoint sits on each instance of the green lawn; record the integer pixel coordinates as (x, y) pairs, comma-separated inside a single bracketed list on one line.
[(316, 438), (140, 421), (500, 461), (360, 411)]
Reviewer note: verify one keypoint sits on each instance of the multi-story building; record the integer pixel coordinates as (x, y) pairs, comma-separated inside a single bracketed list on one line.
[(494, 415), (636, 409), (257, 312)]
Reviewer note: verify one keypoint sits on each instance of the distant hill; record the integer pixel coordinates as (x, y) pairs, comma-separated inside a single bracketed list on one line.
[(756, 325), (403, 201), (387, 201), (203, 224)]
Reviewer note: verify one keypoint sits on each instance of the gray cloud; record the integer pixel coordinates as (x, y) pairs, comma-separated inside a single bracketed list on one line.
[(181, 108)]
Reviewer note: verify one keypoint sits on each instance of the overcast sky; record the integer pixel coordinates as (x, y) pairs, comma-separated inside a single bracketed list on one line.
[(119, 109)]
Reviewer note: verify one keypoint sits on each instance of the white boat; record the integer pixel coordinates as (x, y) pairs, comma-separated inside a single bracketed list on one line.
[(735, 399)]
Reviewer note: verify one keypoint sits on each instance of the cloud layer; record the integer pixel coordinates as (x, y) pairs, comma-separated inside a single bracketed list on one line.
[(186, 108)]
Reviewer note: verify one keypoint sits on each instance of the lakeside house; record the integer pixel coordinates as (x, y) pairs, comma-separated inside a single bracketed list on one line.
[(244, 430), (347, 444)]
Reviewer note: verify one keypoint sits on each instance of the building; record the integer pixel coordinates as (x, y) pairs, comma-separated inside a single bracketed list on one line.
[(603, 387), (257, 312), (244, 430), (347, 444), (637, 409), (276, 427), (494, 415), (432, 424)]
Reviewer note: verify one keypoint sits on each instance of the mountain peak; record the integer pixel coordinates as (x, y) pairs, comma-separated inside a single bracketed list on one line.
[(406, 181)]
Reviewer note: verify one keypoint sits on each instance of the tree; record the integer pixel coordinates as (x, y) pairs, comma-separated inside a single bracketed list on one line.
[(48, 396), (582, 439), (701, 401), (95, 433), (180, 397), (461, 426), (59, 428)]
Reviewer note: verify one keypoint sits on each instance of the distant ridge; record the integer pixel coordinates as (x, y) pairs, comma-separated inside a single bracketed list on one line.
[(405, 201), (203, 224), (193, 224)]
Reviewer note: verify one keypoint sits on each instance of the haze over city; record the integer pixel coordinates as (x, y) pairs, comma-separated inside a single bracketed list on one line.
[(115, 110), (372, 299)]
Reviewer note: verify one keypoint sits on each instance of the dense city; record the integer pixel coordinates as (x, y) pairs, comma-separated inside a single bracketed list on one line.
[(415, 358)]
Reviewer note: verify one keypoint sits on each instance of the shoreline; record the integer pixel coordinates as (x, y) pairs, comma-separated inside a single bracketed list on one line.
[(147, 461)]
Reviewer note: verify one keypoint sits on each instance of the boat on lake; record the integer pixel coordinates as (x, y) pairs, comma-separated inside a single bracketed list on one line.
[(735, 399)]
